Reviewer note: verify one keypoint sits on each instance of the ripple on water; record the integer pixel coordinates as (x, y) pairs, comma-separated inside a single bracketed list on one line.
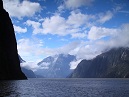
[(65, 88)]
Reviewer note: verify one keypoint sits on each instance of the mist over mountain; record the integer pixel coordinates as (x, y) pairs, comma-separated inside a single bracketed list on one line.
[(111, 64), (57, 66), (29, 73)]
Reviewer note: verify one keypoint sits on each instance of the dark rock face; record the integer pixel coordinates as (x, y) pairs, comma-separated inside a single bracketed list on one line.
[(9, 61), (111, 64)]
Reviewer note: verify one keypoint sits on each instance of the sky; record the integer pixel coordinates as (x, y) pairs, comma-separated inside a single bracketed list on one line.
[(84, 28)]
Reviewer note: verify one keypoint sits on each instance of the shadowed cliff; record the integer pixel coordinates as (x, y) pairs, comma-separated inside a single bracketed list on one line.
[(9, 60)]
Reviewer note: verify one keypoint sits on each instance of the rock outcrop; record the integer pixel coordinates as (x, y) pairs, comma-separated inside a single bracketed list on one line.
[(9, 60)]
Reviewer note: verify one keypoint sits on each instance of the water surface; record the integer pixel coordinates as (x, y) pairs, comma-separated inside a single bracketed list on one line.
[(65, 88)]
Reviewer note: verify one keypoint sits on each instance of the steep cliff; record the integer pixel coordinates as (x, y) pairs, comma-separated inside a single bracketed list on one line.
[(111, 64), (9, 60)]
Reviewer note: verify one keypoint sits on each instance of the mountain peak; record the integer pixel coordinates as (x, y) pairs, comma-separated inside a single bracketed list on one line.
[(57, 66)]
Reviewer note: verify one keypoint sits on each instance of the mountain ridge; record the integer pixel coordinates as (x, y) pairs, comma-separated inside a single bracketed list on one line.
[(56, 66), (111, 64)]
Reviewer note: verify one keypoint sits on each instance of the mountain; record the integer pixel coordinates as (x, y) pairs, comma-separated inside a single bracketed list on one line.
[(29, 73), (57, 66), (9, 62), (111, 64)]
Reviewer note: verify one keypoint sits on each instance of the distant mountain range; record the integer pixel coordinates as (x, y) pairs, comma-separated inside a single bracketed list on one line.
[(29, 73), (57, 66), (111, 64)]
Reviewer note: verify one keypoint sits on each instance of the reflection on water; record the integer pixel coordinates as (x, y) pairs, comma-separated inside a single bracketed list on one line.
[(18, 88), (65, 88), (7, 88)]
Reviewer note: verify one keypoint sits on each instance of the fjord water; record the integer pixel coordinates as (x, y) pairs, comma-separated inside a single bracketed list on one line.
[(65, 88)]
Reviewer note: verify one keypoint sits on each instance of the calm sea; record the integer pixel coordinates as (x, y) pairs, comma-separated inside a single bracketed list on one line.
[(65, 88)]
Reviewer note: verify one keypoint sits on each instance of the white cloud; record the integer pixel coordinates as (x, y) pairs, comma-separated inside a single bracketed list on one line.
[(35, 26), (19, 30), (100, 32), (55, 25), (30, 65), (72, 4), (103, 17), (21, 9), (66, 49), (74, 63), (98, 44), (87, 51), (79, 35), (29, 47), (75, 25), (61, 8), (69, 47), (121, 38), (35, 49), (78, 19), (45, 65)]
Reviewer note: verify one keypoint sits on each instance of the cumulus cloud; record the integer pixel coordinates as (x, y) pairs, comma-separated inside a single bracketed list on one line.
[(100, 32), (19, 30), (102, 39), (77, 19), (35, 25), (19, 9), (113, 35), (55, 25), (75, 25)]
